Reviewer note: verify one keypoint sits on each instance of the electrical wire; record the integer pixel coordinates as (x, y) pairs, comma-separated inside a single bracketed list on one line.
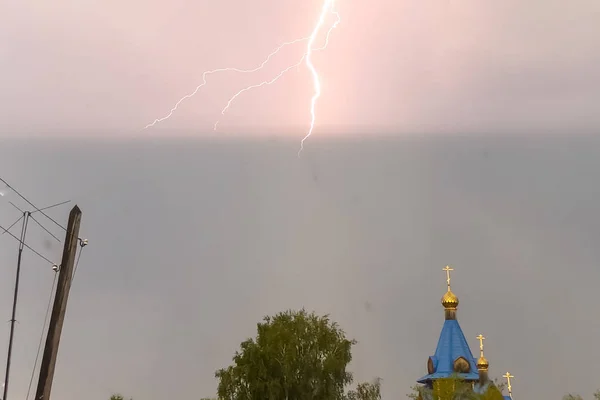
[(78, 257), (82, 244), (13, 224), (30, 215), (40, 210), (52, 206), (37, 356), (22, 244), (43, 208), (15, 206), (26, 245), (44, 228)]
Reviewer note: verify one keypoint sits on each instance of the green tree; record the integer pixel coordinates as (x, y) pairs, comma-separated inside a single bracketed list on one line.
[(366, 391), (117, 397), (493, 393), (455, 388), (295, 356), (578, 397)]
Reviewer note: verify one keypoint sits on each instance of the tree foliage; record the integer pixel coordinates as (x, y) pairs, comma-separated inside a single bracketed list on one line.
[(366, 391), (454, 388), (578, 397), (295, 356)]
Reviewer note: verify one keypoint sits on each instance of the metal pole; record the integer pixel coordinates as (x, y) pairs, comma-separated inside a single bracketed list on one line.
[(13, 319)]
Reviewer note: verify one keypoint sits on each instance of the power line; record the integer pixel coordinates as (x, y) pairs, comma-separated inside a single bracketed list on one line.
[(43, 208), (52, 206), (41, 211), (30, 215), (47, 366), (37, 356), (26, 245), (26, 215), (13, 224), (15, 206), (57, 269), (82, 244), (44, 228)]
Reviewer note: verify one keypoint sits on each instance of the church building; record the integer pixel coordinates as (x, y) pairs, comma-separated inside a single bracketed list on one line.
[(453, 363)]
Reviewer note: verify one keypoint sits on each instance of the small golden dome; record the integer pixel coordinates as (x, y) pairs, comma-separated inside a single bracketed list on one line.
[(449, 300), (482, 363)]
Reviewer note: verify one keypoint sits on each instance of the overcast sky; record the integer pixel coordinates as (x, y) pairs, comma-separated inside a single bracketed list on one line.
[(489, 163)]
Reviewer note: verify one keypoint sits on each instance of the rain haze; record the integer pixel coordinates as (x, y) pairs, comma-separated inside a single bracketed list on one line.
[(454, 132)]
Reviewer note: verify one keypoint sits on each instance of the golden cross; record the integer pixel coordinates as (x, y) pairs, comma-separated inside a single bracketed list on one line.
[(508, 376), (448, 269), (481, 339)]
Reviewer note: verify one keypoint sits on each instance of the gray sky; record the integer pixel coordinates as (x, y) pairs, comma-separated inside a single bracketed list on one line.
[(492, 106), (193, 242)]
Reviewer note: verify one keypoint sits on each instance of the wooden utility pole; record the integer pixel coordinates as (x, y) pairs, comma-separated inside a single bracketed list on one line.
[(60, 306)]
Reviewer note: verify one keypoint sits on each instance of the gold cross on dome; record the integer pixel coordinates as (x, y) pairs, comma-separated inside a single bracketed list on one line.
[(508, 376), (481, 339), (448, 269)]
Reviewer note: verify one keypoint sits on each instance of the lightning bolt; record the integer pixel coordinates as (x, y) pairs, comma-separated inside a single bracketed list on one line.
[(328, 7), (328, 4)]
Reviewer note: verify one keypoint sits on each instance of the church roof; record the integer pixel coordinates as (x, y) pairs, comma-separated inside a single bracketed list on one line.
[(451, 345)]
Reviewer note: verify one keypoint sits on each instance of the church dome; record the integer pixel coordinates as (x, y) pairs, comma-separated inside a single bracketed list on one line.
[(482, 363), (449, 300)]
